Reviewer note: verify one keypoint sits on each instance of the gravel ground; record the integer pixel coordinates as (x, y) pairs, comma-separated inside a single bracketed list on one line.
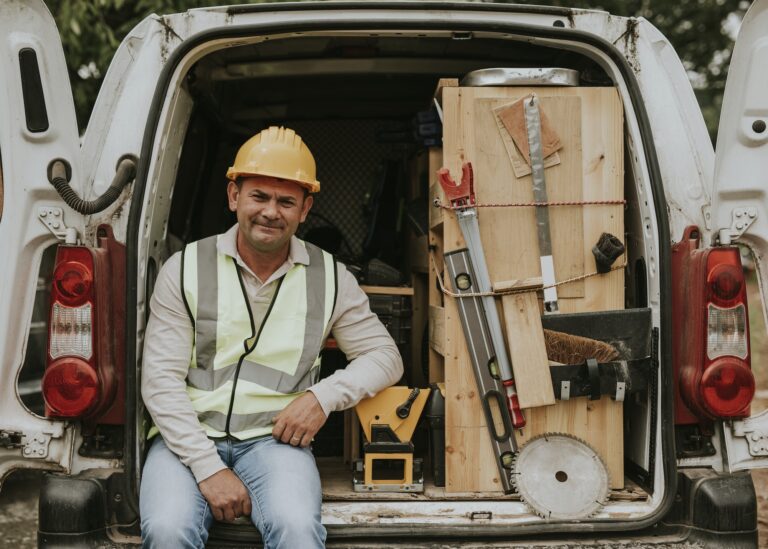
[(760, 479), (18, 510)]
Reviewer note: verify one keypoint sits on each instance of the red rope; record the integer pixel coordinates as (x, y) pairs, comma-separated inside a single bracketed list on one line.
[(439, 204)]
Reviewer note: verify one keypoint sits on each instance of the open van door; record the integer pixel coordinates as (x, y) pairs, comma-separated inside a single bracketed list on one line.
[(740, 197), (37, 125)]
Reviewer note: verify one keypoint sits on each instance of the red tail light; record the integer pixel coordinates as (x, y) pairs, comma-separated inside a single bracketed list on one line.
[(81, 376), (73, 281), (727, 388), (71, 387), (711, 351)]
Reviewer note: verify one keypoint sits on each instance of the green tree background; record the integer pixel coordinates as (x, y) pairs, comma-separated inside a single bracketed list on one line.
[(702, 32)]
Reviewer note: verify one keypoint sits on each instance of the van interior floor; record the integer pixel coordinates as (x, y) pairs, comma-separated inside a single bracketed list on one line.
[(336, 478)]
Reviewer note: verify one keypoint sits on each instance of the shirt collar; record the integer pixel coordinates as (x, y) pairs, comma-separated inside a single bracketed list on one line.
[(227, 245)]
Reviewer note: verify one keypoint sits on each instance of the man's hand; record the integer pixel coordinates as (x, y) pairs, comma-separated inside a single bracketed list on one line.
[(227, 495), (299, 421)]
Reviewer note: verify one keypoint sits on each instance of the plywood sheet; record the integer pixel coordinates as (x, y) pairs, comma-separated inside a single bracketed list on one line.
[(527, 350), (591, 168)]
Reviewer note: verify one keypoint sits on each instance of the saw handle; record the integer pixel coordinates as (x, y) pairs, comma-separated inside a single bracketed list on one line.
[(513, 404), (458, 194)]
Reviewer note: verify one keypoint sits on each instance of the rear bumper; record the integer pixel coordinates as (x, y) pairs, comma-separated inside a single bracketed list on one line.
[(710, 510)]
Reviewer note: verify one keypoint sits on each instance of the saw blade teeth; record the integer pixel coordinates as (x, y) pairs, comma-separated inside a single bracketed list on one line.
[(548, 472)]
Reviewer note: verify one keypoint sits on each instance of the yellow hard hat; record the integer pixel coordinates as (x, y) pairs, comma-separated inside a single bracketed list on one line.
[(276, 152)]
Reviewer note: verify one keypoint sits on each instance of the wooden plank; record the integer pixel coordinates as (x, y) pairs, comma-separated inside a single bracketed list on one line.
[(337, 486), (387, 290), (563, 182), (435, 162), (436, 360), (467, 441), (604, 179), (591, 168), (437, 329), (469, 461), (444, 83), (603, 427), (435, 213), (420, 321), (472, 464), (533, 283), (418, 254), (527, 350)]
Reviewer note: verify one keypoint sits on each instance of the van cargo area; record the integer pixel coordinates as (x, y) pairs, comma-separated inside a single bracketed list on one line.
[(369, 106), (527, 195)]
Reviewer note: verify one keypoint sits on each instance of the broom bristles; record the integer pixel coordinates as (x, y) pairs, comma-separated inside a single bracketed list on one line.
[(570, 349)]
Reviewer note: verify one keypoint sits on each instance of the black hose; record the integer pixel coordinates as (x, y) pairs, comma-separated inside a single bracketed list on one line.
[(126, 172)]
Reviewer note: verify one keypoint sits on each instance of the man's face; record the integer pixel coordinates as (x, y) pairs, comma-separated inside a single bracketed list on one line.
[(268, 210)]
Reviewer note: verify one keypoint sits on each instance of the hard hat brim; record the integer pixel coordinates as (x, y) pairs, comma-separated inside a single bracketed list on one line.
[(311, 186)]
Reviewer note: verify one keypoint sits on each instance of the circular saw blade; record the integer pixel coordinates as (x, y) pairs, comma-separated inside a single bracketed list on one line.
[(559, 476)]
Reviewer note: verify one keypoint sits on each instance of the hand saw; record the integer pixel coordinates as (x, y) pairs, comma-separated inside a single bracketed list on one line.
[(462, 197)]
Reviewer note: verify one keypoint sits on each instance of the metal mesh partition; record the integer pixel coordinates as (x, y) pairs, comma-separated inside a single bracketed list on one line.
[(348, 156)]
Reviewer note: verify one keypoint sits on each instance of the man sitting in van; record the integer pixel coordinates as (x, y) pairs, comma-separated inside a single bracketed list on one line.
[(230, 368)]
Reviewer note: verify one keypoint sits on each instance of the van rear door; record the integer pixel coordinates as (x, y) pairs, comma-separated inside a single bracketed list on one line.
[(37, 125), (740, 199)]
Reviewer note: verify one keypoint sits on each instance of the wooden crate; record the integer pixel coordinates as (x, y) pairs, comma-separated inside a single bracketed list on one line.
[(589, 122)]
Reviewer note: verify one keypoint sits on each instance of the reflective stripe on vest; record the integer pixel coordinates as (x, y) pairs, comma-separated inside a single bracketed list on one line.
[(267, 366)]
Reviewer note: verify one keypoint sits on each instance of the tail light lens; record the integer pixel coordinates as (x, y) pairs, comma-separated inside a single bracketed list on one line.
[(71, 331), (73, 281), (712, 353), (727, 388), (79, 379), (726, 332), (71, 387)]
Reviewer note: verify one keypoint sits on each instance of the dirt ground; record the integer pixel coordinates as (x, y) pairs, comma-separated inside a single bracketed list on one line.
[(18, 510), (760, 479)]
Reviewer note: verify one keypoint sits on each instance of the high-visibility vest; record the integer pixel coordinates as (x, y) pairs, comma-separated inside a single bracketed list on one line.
[(241, 375)]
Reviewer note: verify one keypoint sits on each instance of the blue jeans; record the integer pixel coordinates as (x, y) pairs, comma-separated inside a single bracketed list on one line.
[(283, 482)]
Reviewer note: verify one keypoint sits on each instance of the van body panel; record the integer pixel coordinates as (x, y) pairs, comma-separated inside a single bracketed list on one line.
[(170, 108), (739, 205), (39, 125), (143, 107)]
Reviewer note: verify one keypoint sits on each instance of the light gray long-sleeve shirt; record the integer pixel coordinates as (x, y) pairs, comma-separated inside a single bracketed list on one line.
[(375, 362)]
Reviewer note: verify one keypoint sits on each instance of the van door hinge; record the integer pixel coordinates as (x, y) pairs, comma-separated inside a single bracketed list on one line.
[(741, 219), (11, 439), (757, 440), (34, 446), (53, 218)]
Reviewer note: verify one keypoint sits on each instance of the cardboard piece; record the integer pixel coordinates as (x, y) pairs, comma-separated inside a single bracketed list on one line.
[(511, 118)]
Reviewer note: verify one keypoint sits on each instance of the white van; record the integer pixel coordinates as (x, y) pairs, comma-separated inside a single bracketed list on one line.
[(184, 90)]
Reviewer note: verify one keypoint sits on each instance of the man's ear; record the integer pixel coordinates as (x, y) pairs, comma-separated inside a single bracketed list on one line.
[(308, 201), (233, 191)]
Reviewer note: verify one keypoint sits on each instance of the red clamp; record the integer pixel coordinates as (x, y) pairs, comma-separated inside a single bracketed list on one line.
[(460, 195)]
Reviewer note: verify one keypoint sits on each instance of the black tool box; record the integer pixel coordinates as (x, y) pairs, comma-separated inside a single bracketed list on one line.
[(395, 312)]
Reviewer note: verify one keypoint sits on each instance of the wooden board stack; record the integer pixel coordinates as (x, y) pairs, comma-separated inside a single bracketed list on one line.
[(589, 123)]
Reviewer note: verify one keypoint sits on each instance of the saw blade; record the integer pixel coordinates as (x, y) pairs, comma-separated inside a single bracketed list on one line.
[(559, 476)]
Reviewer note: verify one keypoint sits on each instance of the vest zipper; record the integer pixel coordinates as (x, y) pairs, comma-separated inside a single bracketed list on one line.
[(254, 335)]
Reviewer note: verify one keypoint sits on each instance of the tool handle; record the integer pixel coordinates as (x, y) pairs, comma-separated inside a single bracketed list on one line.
[(513, 403), (404, 410), (459, 194)]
